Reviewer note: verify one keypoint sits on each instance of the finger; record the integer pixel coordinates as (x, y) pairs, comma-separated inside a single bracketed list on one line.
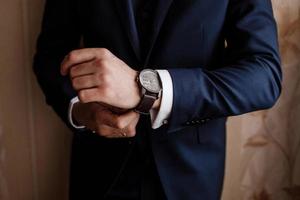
[(82, 69), (121, 122), (111, 125), (127, 118), (81, 56), (85, 82), (107, 131), (107, 117), (76, 57), (118, 134), (91, 95), (131, 128)]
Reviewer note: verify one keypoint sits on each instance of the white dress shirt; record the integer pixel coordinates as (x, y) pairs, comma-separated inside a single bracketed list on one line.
[(158, 118)]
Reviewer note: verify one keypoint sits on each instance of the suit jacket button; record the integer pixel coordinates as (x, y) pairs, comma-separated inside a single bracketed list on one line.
[(202, 120), (187, 123)]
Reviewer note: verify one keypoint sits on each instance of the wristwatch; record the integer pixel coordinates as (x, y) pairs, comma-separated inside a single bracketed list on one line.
[(150, 84)]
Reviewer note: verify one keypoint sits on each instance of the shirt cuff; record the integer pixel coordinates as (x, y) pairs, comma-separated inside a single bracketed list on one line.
[(160, 117), (70, 114)]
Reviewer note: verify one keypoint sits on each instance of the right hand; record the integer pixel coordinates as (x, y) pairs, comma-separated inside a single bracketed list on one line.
[(99, 76), (104, 121)]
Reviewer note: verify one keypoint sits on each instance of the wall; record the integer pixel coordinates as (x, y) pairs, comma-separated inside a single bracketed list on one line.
[(34, 145), (262, 150)]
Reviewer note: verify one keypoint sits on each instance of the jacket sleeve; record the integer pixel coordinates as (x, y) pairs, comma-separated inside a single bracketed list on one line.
[(249, 81), (59, 35)]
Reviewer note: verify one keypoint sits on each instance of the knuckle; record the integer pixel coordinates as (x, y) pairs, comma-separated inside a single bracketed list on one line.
[(104, 52), (72, 55), (106, 92), (120, 124), (99, 63), (82, 96), (131, 132), (106, 80), (103, 64)]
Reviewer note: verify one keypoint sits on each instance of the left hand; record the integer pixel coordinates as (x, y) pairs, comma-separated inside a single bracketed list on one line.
[(104, 122), (99, 76)]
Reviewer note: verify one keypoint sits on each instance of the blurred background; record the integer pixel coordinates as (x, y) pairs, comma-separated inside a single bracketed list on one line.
[(263, 151)]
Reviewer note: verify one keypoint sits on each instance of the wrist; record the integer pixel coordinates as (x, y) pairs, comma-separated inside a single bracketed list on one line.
[(138, 90), (157, 103)]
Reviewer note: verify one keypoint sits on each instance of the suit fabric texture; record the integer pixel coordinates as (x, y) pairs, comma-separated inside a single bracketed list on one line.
[(223, 60)]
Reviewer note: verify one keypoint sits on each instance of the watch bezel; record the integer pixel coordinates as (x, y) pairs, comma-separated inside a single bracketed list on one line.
[(141, 80)]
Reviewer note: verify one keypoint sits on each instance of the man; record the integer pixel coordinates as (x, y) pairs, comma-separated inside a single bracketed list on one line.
[(190, 64)]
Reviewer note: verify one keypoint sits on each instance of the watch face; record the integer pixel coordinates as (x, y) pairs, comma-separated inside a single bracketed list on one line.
[(149, 79)]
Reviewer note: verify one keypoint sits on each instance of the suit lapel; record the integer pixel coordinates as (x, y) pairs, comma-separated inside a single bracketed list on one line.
[(127, 18), (159, 17)]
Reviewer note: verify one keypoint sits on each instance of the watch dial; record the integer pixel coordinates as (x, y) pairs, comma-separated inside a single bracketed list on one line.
[(150, 81)]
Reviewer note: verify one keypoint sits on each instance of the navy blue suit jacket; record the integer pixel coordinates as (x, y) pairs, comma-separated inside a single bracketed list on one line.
[(223, 59)]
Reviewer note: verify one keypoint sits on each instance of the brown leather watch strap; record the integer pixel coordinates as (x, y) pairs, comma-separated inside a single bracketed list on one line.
[(145, 104)]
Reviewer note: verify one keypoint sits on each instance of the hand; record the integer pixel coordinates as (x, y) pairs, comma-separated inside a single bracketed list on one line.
[(104, 122), (99, 76)]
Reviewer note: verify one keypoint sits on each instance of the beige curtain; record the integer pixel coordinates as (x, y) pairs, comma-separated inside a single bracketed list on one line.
[(270, 167), (263, 150), (269, 141)]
